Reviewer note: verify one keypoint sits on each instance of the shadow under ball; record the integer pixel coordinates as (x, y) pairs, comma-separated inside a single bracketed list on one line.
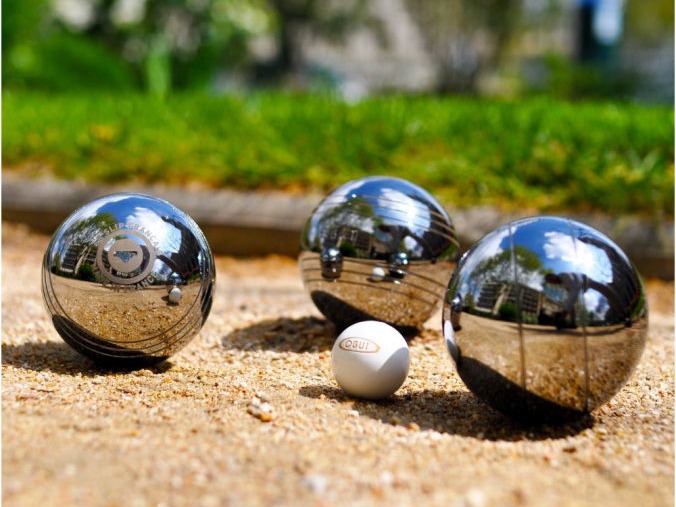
[(546, 319), (378, 248), (128, 280)]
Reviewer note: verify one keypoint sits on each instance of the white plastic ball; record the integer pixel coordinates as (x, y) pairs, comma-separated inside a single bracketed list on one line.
[(175, 295), (378, 274), (370, 360)]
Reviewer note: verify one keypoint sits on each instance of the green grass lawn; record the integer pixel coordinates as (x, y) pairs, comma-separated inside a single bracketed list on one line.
[(543, 154)]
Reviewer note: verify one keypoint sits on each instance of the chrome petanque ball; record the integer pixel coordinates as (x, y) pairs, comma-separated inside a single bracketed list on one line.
[(128, 279), (378, 248), (546, 319)]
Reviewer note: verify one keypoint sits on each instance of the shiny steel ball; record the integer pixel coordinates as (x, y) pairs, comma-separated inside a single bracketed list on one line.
[(378, 248), (545, 318), (128, 279)]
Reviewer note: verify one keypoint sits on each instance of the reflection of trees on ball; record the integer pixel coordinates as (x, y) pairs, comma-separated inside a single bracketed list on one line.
[(378, 248), (545, 318), (128, 279)]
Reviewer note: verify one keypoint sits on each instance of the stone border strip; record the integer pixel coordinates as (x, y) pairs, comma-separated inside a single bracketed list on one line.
[(263, 223)]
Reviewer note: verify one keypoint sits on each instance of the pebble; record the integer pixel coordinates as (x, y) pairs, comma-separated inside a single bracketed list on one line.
[(474, 498), (315, 483), (261, 410)]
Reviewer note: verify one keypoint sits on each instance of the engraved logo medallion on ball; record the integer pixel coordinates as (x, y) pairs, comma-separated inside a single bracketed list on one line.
[(125, 256)]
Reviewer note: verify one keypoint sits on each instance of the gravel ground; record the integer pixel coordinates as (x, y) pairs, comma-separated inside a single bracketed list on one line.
[(249, 414)]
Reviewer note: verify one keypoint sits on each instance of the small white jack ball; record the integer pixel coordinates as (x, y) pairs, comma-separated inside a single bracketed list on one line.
[(377, 274), (175, 295), (370, 360)]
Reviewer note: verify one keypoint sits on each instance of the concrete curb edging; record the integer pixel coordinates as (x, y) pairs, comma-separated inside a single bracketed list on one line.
[(263, 223)]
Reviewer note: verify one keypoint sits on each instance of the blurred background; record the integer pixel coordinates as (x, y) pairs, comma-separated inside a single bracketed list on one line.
[(355, 48), (548, 105)]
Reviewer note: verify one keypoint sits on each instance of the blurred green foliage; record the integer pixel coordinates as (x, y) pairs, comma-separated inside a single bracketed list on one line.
[(576, 81), (67, 62), (648, 21), (174, 44), (167, 45), (541, 154), (37, 57)]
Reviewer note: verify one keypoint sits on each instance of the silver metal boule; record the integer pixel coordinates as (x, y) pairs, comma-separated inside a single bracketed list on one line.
[(545, 318), (128, 279), (378, 248)]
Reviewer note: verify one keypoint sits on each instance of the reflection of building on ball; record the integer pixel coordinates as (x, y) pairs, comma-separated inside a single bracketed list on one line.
[(545, 319), (573, 285), (103, 275), (378, 248), (577, 284)]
